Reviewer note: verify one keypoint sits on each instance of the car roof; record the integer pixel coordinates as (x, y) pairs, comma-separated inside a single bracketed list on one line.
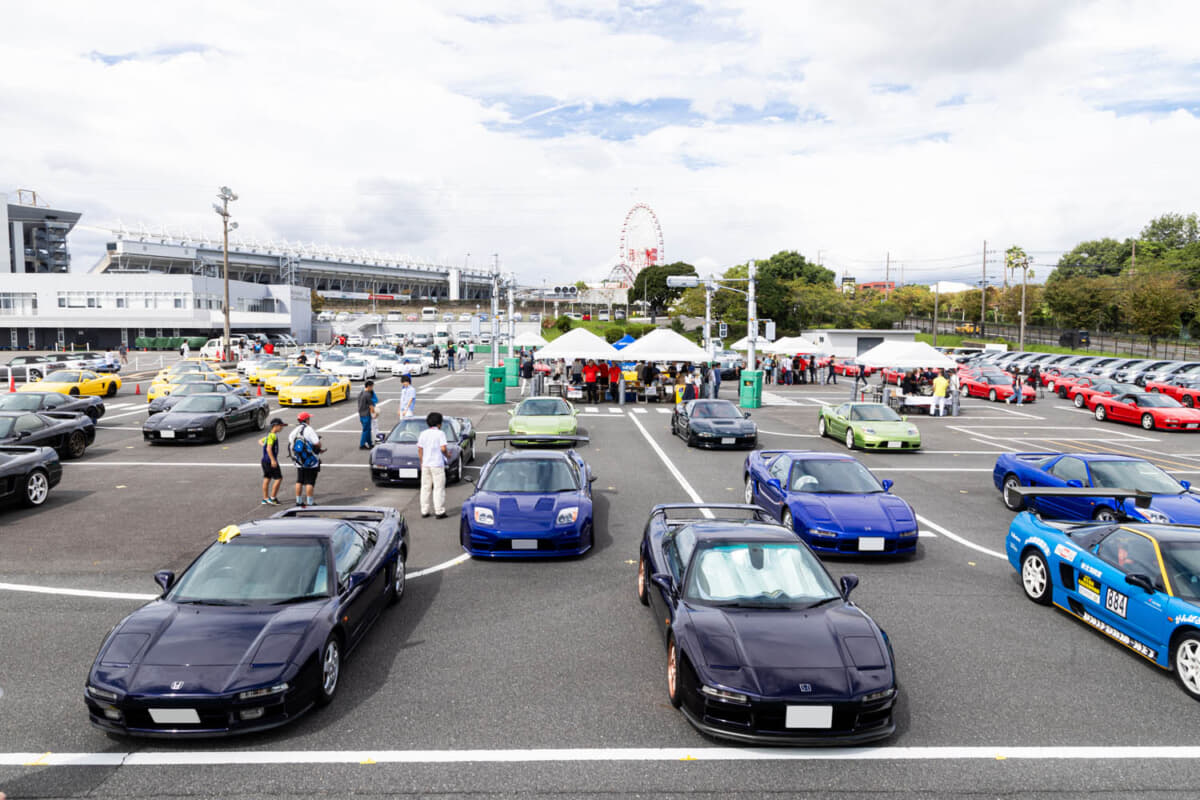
[(527, 455), (291, 526), (716, 530), (812, 454)]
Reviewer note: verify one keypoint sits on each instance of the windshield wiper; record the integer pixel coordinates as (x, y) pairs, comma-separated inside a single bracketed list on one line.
[(820, 603), (211, 603), (301, 598)]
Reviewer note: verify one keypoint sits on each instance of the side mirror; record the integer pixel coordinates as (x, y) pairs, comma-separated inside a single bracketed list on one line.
[(887, 484), (745, 415), (512, 411), (848, 583), (904, 418), (775, 483), (165, 579), (1076, 484), (1186, 485), (1141, 581), (592, 478), (664, 582), (355, 580)]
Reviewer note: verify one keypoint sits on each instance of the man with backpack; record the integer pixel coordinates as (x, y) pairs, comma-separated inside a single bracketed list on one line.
[(304, 448)]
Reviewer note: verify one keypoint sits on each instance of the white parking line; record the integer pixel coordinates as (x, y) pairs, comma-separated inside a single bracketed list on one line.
[(687, 487), (955, 537), (333, 425)]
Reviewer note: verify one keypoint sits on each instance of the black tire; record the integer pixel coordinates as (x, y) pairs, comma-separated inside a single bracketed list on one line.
[(329, 398), (691, 440), (992, 395), (1147, 421), (674, 430), (1185, 662), (1012, 500), (112, 390), (1079, 401), (397, 581), (34, 375), (643, 581), (1189, 401), (1101, 413), (219, 431), (1035, 577), (674, 674), (260, 420), (1062, 393), (75, 445), (1105, 514), (74, 391), (329, 670), (37, 488)]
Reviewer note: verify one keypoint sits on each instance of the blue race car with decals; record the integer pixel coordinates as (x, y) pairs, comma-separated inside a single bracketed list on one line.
[(831, 501), (1171, 501), (530, 502), (1135, 582)]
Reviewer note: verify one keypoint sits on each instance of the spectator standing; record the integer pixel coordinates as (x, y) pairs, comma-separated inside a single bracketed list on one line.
[(432, 453), (795, 376), (450, 356), (940, 387), (716, 379), (367, 401), (812, 370), (272, 473), (614, 381), (526, 372), (955, 392), (408, 397), (183, 349), (830, 375), (437, 356), (589, 380), (124, 352), (307, 457), (602, 381)]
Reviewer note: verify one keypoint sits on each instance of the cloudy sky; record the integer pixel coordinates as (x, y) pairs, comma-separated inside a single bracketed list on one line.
[(452, 130)]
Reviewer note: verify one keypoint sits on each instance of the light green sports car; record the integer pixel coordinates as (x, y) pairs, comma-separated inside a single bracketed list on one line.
[(543, 416), (871, 426)]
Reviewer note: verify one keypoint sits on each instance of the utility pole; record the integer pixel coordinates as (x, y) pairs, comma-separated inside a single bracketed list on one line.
[(937, 293), (751, 318), (495, 309), (226, 196), (887, 268), (708, 293), (983, 292)]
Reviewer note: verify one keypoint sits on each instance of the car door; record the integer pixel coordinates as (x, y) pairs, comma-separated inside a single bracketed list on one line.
[(236, 412), (356, 597), (1127, 607), (1123, 409), (836, 422), (677, 549), (772, 492), (1060, 474), (32, 430)]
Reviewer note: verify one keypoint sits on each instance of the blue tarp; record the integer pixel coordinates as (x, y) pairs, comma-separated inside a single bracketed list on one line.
[(624, 342)]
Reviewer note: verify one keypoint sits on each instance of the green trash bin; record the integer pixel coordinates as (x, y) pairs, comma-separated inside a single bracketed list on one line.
[(750, 388), (495, 390), (512, 375)]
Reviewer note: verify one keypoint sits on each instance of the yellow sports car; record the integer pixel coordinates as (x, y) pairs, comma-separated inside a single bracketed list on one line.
[(76, 382), (285, 378), (164, 388), (268, 369), (315, 389), (188, 367)]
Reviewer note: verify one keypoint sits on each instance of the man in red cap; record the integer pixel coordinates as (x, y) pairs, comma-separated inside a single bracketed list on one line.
[(304, 446)]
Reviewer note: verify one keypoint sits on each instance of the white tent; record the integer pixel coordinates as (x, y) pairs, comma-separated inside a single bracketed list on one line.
[(580, 343), (904, 355), (530, 339), (664, 344), (744, 344), (791, 345)]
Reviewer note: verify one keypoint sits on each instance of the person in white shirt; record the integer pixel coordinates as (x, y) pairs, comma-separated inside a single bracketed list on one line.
[(432, 453), (408, 397)]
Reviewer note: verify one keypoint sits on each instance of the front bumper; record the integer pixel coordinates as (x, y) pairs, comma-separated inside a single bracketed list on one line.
[(219, 716), (292, 400), (716, 441), (181, 435), (882, 443), (487, 543), (852, 544), (764, 722)]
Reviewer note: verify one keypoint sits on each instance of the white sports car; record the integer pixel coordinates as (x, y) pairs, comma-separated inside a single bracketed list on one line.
[(410, 365), (355, 369)]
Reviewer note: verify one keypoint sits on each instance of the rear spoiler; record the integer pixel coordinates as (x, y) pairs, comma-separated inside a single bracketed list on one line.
[(1140, 499), (354, 513), (548, 438), (734, 511)]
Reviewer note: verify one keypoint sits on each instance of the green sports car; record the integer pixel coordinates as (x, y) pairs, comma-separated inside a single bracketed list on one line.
[(869, 426), (543, 416)]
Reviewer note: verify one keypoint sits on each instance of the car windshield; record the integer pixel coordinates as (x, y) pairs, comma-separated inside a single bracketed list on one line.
[(768, 574), (290, 371), (1155, 400), (524, 475), (543, 407), (185, 366), (833, 476), (333, 357), (276, 364), (874, 414), (191, 377), (1182, 560), (20, 402), (195, 388), (6, 426), (716, 409), (354, 362), (996, 379), (255, 569), (407, 431), (201, 404), (62, 376), (1133, 474), (312, 380)]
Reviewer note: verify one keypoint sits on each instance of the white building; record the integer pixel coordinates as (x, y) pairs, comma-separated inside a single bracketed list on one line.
[(849, 342)]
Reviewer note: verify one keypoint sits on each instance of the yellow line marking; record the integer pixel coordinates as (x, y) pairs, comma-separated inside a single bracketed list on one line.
[(39, 761)]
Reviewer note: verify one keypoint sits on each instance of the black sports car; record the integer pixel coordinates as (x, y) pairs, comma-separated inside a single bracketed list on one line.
[(713, 423), (52, 401), (254, 632), (28, 473), (32, 368), (394, 460), (206, 417), (168, 401), (68, 433), (762, 645)]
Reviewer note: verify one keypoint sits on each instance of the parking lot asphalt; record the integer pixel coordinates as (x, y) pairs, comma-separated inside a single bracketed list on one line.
[(511, 678)]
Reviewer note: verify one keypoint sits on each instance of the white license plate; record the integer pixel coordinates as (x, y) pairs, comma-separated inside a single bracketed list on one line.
[(524, 544), (809, 717), (870, 544), (727, 440), (167, 434), (175, 716), (893, 444), (408, 473)]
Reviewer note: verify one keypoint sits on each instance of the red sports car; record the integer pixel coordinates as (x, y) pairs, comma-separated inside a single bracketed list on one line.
[(1087, 395), (995, 388), (1151, 410), (1185, 391)]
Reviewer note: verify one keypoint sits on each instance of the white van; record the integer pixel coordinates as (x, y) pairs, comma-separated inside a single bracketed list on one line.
[(441, 336), (429, 314)]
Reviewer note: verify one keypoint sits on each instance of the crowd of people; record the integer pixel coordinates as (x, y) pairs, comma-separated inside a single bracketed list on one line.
[(601, 381)]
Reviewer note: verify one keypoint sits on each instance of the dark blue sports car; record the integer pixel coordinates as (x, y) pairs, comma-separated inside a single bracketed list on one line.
[(762, 645), (530, 502), (832, 501), (253, 633), (1171, 501)]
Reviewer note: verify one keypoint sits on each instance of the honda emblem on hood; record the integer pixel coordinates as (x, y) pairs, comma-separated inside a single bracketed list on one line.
[(806, 687), (177, 685)]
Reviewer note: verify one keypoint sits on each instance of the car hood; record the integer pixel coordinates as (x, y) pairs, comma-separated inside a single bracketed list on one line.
[(396, 453), (1181, 508), (210, 649), (180, 419), (547, 424), (732, 427), (835, 650), (887, 427), (879, 512)]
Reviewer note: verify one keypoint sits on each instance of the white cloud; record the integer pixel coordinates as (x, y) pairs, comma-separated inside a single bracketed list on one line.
[(441, 129)]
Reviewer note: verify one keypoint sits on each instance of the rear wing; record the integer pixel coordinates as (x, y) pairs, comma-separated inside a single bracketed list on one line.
[(674, 514), (352, 513), (1140, 499), (547, 438)]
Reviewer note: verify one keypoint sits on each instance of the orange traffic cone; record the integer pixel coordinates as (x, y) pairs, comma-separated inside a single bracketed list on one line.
[(12, 381), (260, 390), (137, 388)]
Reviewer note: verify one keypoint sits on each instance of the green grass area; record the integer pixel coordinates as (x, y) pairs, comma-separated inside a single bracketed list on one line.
[(596, 327), (956, 340)]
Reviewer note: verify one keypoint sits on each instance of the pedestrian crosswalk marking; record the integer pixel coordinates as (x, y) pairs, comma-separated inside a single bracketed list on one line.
[(639, 411), (591, 409), (615, 411), (664, 411), (460, 393)]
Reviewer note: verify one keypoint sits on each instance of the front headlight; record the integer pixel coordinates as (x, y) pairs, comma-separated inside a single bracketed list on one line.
[(907, 534), (484, 516), (871, 431), (724, 695), (567, 516), (822, 532), (264, 692), (873, 696), (912, 431), (1156, 517), (102, 694)]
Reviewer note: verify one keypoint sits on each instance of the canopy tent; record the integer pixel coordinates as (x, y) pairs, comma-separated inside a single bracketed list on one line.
[(791, 345), (529, 339), (624, 342), (664, 344), (579, 343), (904, 355), (744, 344)]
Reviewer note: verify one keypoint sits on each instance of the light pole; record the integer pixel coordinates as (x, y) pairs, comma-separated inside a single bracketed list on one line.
[(226, 196), (495, 309)]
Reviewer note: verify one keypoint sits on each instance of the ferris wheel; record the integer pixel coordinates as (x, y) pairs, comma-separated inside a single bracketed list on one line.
[(641, 244)]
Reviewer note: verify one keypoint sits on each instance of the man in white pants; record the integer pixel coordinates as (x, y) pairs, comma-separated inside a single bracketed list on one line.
[(432, 453)]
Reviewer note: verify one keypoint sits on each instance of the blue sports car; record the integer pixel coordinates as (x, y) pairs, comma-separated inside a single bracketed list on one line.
[(530, 502), (253, 633), (1137, 583), (832, 501), (1172, 501), (762, 645)]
